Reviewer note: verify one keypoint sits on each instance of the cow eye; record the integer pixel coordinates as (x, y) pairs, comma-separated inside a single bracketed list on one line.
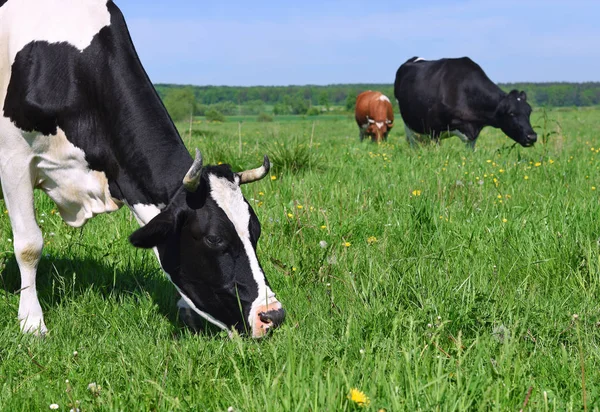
[(511, 114), (213, 241)]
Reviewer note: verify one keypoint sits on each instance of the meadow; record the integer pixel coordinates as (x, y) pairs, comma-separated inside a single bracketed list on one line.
[(435, 278)]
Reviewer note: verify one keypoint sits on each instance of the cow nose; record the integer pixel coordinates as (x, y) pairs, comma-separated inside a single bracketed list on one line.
[(274, 317), (266, 317), (532, 137)]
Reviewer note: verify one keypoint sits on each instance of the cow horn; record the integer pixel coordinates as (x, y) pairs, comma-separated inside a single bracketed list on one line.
[(192, 177), (252, 175), (370, 120)]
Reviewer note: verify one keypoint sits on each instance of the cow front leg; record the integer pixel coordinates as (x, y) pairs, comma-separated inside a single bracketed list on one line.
[(28, 243)]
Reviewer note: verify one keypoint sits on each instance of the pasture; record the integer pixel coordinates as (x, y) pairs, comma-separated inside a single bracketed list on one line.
[(436, 278)]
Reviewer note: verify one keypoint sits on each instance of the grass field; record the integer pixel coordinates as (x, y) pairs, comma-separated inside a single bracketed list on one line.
[(438, 278)]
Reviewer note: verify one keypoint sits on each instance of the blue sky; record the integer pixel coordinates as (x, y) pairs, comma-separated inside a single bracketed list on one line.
[(325, 42)]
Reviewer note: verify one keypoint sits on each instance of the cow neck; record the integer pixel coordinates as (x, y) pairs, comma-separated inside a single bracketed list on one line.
[(488, 102), (152, 159)]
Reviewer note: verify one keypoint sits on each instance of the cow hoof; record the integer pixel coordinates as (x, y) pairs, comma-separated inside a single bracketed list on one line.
[(34, 326)]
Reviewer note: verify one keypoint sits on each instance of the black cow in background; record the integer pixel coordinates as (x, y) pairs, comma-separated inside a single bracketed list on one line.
[(446, 97)]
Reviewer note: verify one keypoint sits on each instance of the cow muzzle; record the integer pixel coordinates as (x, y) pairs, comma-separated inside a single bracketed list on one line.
[(266, 317), (531, 139)]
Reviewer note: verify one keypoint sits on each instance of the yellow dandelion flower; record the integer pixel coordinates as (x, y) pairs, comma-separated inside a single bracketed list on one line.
[(371, 240), (504, 220), (293, 268), (501, 171), (261, 193), (299, 206), (290, 215), (526, 177), (347, 244), (273, 177), (359, 397), (593, 187), (5, 211), (499, 196), (323, 227), (260, 204), (550, 161), (488, 161), (52, 211), (537, 164), (416, 192)]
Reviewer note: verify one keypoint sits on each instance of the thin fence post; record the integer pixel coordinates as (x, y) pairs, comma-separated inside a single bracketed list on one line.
[(240, 136)]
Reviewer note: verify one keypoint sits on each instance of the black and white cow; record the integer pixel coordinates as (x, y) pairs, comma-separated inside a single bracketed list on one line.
[(81, 121), (448, 97)]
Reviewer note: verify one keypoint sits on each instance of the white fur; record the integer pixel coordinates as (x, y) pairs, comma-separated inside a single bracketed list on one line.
[(418, 59), (379, 124), (145, 212), (73, 21), (458, 133), (462, 136), (228, 197), (186, 302), (384, 98)]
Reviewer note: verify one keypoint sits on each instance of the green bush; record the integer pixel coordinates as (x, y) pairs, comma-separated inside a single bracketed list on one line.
[(264, 117), (180, 103), (294, 157), (213, 115), (313, 111)]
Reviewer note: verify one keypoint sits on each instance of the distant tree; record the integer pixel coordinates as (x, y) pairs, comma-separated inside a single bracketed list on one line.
[(324, 99), (253, 107), (180, 103), (281, 108), (230, 99), (264, 117), (213, 115), (313, 111), (299, 105), (228, 108), (351, 101)]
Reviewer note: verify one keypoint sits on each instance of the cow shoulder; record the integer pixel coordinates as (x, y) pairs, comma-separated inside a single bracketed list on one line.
[(41, 87)]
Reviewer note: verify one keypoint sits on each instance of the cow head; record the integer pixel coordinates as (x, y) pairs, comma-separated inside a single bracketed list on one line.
[(379, 129), (512, 116), (206, 242)]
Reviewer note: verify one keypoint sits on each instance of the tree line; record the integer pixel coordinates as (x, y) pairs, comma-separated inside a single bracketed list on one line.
[(237, 100)]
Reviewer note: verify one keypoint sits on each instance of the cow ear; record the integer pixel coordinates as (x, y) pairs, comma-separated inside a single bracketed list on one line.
[(155, 232), (523, 96)]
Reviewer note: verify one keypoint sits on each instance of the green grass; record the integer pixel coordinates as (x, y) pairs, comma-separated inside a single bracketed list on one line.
[(449, 282)]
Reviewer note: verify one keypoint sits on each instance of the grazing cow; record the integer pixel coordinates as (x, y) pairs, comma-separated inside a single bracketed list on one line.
[(374, 115), (448, 97), (81, 121)]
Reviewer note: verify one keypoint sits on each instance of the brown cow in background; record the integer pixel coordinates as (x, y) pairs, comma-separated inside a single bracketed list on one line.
[(374, 115)]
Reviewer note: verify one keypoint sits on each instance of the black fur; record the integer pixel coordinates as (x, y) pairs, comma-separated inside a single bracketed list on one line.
[(455, 94), (203, 238)]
